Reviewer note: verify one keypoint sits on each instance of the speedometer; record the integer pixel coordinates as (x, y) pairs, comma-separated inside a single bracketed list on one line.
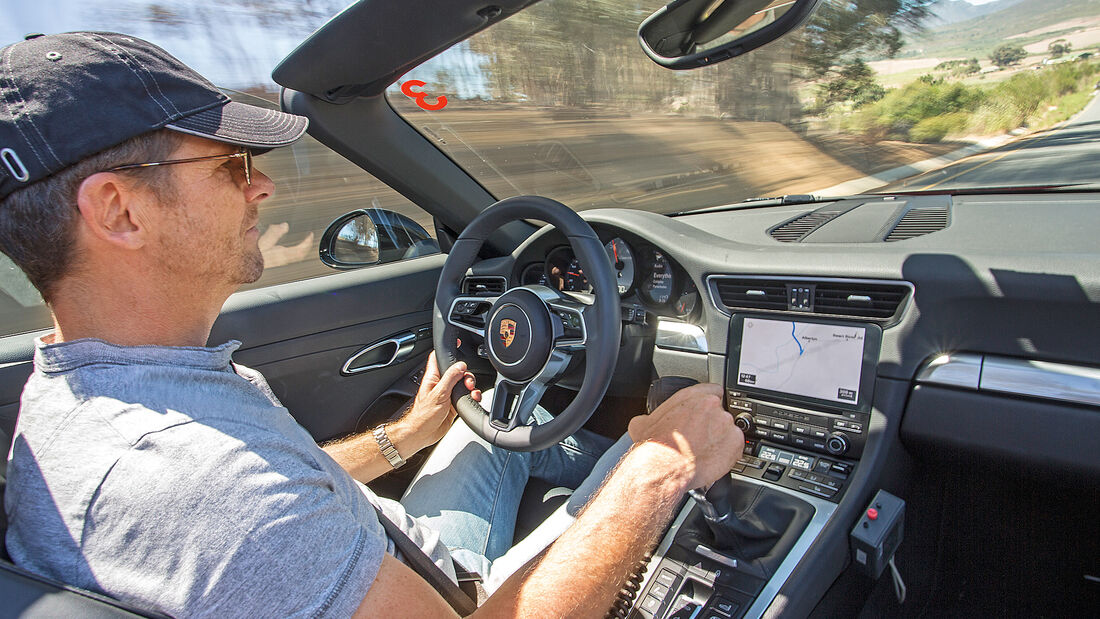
[(622, 260), (657, 285)]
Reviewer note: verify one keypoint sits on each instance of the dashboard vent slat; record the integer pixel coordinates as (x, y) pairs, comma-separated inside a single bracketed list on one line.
[(752, 293), (486, 284), (794, 230), (918, 222), (876, 301)]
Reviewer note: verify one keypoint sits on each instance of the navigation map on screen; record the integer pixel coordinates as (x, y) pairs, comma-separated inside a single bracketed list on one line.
[(807, 359)]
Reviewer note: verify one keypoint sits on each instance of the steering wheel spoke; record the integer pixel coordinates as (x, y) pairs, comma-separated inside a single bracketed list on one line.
[(574, 324), (514, 403), (469, 313)]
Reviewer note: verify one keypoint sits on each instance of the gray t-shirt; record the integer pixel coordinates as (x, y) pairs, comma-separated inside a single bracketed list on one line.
[(174, 479)]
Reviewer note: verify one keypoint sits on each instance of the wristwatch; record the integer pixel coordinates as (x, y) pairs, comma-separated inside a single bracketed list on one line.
[(387, 448)]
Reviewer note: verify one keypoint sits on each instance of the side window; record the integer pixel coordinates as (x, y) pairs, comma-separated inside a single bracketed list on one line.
[(314, 186)]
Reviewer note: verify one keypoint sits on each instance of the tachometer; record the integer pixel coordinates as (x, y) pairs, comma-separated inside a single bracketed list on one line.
[(622, 260), (657, 286)]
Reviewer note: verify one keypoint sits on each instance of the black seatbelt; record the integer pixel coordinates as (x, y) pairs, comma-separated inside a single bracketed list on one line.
[(422, 564)]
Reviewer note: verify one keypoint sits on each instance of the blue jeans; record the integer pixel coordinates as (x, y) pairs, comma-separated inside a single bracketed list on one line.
[(469, 491)]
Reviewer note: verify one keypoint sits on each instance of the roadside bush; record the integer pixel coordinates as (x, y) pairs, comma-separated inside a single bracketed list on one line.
[(937, 128), (930, 108)]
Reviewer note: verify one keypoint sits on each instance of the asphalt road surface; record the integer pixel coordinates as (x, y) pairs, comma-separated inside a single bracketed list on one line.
[(1066, 154)]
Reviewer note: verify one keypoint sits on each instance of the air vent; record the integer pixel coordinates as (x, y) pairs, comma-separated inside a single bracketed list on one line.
[(747, 293), (486, 284), (794, 230), (918, 222), (866, 300)]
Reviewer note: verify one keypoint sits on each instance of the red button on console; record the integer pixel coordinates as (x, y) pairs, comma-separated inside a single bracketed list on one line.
[(872, 513)]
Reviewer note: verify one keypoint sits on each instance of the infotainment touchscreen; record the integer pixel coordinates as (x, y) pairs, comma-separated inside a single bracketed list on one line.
[(819, 360)]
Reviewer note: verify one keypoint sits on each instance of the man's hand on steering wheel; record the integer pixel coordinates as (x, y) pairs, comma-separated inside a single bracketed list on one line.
[(432, 413)]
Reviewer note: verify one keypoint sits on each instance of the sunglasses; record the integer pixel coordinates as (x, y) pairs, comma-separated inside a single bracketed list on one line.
[(241, 154)]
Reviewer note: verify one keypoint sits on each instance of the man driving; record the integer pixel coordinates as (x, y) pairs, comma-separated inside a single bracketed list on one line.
[(148, 466)]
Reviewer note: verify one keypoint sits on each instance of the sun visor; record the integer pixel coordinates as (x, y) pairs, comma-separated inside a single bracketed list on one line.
[(367, 46)]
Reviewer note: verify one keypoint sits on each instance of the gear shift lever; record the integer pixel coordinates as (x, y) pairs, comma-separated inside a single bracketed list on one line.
[(661, 390)]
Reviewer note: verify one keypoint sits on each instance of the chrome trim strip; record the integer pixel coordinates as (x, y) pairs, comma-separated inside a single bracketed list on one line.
[(823, 511), (684, 336), (1041, 379), (712, 292), (403, 345), (1046, 380), (953, 370)]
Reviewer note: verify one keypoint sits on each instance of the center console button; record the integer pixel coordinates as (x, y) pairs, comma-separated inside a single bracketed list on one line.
[(800, 441), (840, 469), (818, 432), (651, 604), (666, 578), (659, 590), (799, 428), (725, 607), (774, 472), (823, 466), (782, 425)]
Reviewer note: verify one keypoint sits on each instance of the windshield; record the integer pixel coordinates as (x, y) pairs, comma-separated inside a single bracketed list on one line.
[(911, 95)]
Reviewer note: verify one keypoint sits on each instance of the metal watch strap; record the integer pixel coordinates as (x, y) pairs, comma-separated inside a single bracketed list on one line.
[(387, 448)]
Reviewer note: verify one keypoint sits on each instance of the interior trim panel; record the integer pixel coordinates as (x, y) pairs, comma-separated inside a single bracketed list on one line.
[(1023, 377)]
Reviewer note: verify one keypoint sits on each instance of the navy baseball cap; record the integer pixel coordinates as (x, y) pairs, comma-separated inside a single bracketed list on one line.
[(64, 97)]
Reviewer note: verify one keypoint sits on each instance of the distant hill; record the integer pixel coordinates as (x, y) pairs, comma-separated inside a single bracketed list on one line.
[(952, 11), (947, 36)]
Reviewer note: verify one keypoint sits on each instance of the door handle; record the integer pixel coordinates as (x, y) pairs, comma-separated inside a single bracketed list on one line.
[(381, 354)]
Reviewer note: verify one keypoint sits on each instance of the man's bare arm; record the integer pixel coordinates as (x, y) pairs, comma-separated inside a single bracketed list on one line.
[(688, 442), (424, 424)]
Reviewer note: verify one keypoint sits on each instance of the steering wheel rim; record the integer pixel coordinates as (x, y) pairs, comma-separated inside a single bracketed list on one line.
[(599, 325)]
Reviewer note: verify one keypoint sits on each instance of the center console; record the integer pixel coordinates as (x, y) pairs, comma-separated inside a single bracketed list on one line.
[(801, 390)]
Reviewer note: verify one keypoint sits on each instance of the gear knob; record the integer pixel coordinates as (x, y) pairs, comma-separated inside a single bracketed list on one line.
[(663, 388)]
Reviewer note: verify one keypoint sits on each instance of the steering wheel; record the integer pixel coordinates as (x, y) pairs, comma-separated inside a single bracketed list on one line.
[(531, 333)]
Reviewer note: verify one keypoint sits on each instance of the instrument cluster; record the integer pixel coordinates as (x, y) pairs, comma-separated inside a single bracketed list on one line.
[(642, 273)]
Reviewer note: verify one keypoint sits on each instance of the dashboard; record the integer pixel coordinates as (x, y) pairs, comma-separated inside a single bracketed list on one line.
[(976, 338)]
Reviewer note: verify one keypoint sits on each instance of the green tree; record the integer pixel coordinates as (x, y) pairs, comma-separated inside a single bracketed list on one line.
[(1007, 55), (1059, 48), (854, 83), (842, 30)]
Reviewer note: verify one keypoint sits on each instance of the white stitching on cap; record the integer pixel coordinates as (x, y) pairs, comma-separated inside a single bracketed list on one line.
[(152, 78), (15, 117), (111, 49), (11, 159)]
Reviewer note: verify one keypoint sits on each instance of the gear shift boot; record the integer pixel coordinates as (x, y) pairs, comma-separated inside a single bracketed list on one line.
[(755, 525)]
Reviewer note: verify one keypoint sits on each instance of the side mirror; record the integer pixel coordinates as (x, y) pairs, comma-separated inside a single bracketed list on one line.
[(373, 236), (687, 34)]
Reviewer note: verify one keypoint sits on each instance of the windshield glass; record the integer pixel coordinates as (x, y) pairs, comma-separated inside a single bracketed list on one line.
[(559, 100)]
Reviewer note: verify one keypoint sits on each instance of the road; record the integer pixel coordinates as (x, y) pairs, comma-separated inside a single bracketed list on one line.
[(1063, 154)]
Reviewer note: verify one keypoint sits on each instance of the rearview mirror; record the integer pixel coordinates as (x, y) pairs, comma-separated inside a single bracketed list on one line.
[(687, 34), (372, 236)]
